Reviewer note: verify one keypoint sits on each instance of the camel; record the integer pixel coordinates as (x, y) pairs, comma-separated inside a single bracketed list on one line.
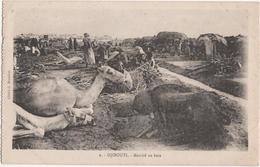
[(69, 61), (52, 104), (182, 114), (141, 52)]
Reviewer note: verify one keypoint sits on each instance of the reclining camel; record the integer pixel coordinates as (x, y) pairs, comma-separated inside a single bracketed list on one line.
[(51, 104), (69, 61)]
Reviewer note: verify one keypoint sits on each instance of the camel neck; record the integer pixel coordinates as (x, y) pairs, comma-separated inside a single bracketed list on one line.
[(90, 95), (63, 58)]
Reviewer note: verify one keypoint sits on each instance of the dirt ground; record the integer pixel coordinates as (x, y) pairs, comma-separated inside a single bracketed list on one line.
[(119, 127)]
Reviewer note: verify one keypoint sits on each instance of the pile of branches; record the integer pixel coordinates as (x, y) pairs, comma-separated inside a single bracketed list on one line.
[(142, 78)]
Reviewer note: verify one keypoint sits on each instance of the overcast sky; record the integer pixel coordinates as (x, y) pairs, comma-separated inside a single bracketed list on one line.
[(126, 20)]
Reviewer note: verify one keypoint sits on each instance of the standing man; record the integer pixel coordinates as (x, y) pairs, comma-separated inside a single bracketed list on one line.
[(192, 50), (88, 51), (71, 47), (177, 47), (101, 53), (34, 46), (149, 56), (75, 44)]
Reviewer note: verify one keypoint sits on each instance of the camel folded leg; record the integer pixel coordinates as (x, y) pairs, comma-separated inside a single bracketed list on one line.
[(31, 121), (37, 132), (81, 112), (85, 114), (38, 125)]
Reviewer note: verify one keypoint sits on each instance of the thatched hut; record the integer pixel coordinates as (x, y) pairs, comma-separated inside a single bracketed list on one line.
[(167, 40), (214, 44)]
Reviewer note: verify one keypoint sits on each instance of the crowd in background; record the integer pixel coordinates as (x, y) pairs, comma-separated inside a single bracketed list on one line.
[(95, 52), (227, 52)]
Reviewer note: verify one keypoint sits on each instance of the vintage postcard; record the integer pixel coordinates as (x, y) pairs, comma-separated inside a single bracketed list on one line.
[(130, 82)]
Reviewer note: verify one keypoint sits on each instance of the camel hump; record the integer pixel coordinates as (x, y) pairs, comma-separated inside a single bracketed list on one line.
[(145, 101), (43, 86)]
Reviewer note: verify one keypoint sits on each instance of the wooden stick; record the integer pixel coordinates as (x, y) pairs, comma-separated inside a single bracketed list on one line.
[(144, 131)]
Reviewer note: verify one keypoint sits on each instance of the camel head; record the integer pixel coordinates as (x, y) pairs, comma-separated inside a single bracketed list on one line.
[(139, 50), (116, 76)]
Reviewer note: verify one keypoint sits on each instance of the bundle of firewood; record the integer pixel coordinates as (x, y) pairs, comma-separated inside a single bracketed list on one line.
[(142, 77)]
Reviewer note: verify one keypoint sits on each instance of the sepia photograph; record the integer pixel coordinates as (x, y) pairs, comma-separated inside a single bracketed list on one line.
[(129, 76)]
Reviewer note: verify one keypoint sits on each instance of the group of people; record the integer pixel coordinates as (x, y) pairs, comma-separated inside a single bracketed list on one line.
[(100, 53), (95, 53), (178, 47), (73, 43), (25, 45)]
